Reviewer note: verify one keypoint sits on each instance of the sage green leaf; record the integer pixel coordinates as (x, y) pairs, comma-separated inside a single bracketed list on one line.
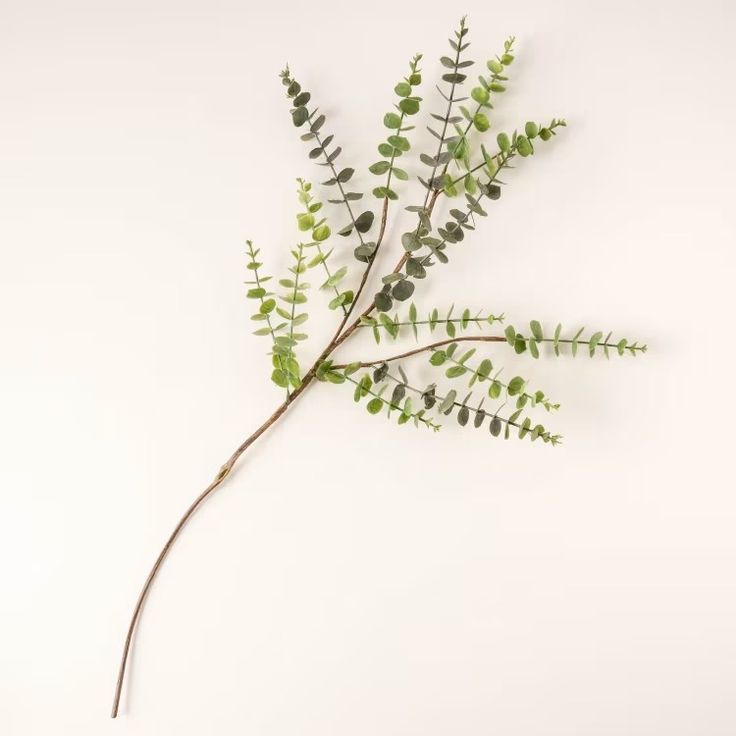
[(364, 222), (380, 167), (411, 241), (374, 406), (299, 117), (321, 233), (481, 122), (402, 89), (392, 120), (305, 220), (280, 378), (523, 146), (402, 290), (516, 385), (593, 342), (409, 106), (448, 402), (456, 371)]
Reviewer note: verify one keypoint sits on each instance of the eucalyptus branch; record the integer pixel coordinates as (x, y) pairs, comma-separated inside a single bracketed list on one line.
[(320, 233), (446, 404), (478, 119), (423, 245), (393, 326)]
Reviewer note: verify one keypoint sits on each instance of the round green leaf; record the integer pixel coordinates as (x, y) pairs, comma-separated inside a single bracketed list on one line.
[(504, 143), (481, 122), (391, 120), (480, 95)]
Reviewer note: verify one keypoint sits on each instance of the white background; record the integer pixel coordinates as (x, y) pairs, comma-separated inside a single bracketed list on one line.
[(354, 577)]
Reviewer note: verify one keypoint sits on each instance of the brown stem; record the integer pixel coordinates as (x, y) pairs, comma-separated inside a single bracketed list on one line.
[(425, 348), (367, 270), (221, 475), (225, 470)]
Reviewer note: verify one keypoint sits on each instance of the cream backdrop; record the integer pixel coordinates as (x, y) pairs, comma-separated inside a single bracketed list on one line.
[(353, 577)]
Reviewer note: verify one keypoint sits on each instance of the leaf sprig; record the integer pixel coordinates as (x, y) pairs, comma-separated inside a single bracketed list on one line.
[(398, 144), (521, 343), (300, 115), (393, 326)]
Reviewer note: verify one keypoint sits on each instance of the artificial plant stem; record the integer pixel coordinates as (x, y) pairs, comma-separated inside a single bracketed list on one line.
[(219, 478), (367, 270)]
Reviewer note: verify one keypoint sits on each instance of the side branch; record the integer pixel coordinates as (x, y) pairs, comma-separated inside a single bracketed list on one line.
[(424, 349)]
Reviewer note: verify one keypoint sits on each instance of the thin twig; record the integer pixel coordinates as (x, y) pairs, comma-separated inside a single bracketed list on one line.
[(426, 348)]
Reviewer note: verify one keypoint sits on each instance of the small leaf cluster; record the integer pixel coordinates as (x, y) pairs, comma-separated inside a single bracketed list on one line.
[(306, 221), (595, 342), (393, 325), (447, 404), (448, 147), (326, 153), (398, 144), (381, 399), (481, 95)]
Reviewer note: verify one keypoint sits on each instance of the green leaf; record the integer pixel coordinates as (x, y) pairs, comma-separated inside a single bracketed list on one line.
[(523, 146), (531, 130), (503, 142), (321, 233), (392, 120), (280, 378), (380, 167), (409, 106), (411, 241), (364, 222), (481, 122), (516, 386), (438, 357), (480, 95), (335, 278), (299, 116), (484, 369), (305, 220), (536, 329), (575, 341), (402, 290), (402, 89), (448, 402), (593, 343)]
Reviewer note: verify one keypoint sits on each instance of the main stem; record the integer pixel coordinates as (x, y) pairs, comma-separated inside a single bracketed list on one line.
[(339, 337)]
